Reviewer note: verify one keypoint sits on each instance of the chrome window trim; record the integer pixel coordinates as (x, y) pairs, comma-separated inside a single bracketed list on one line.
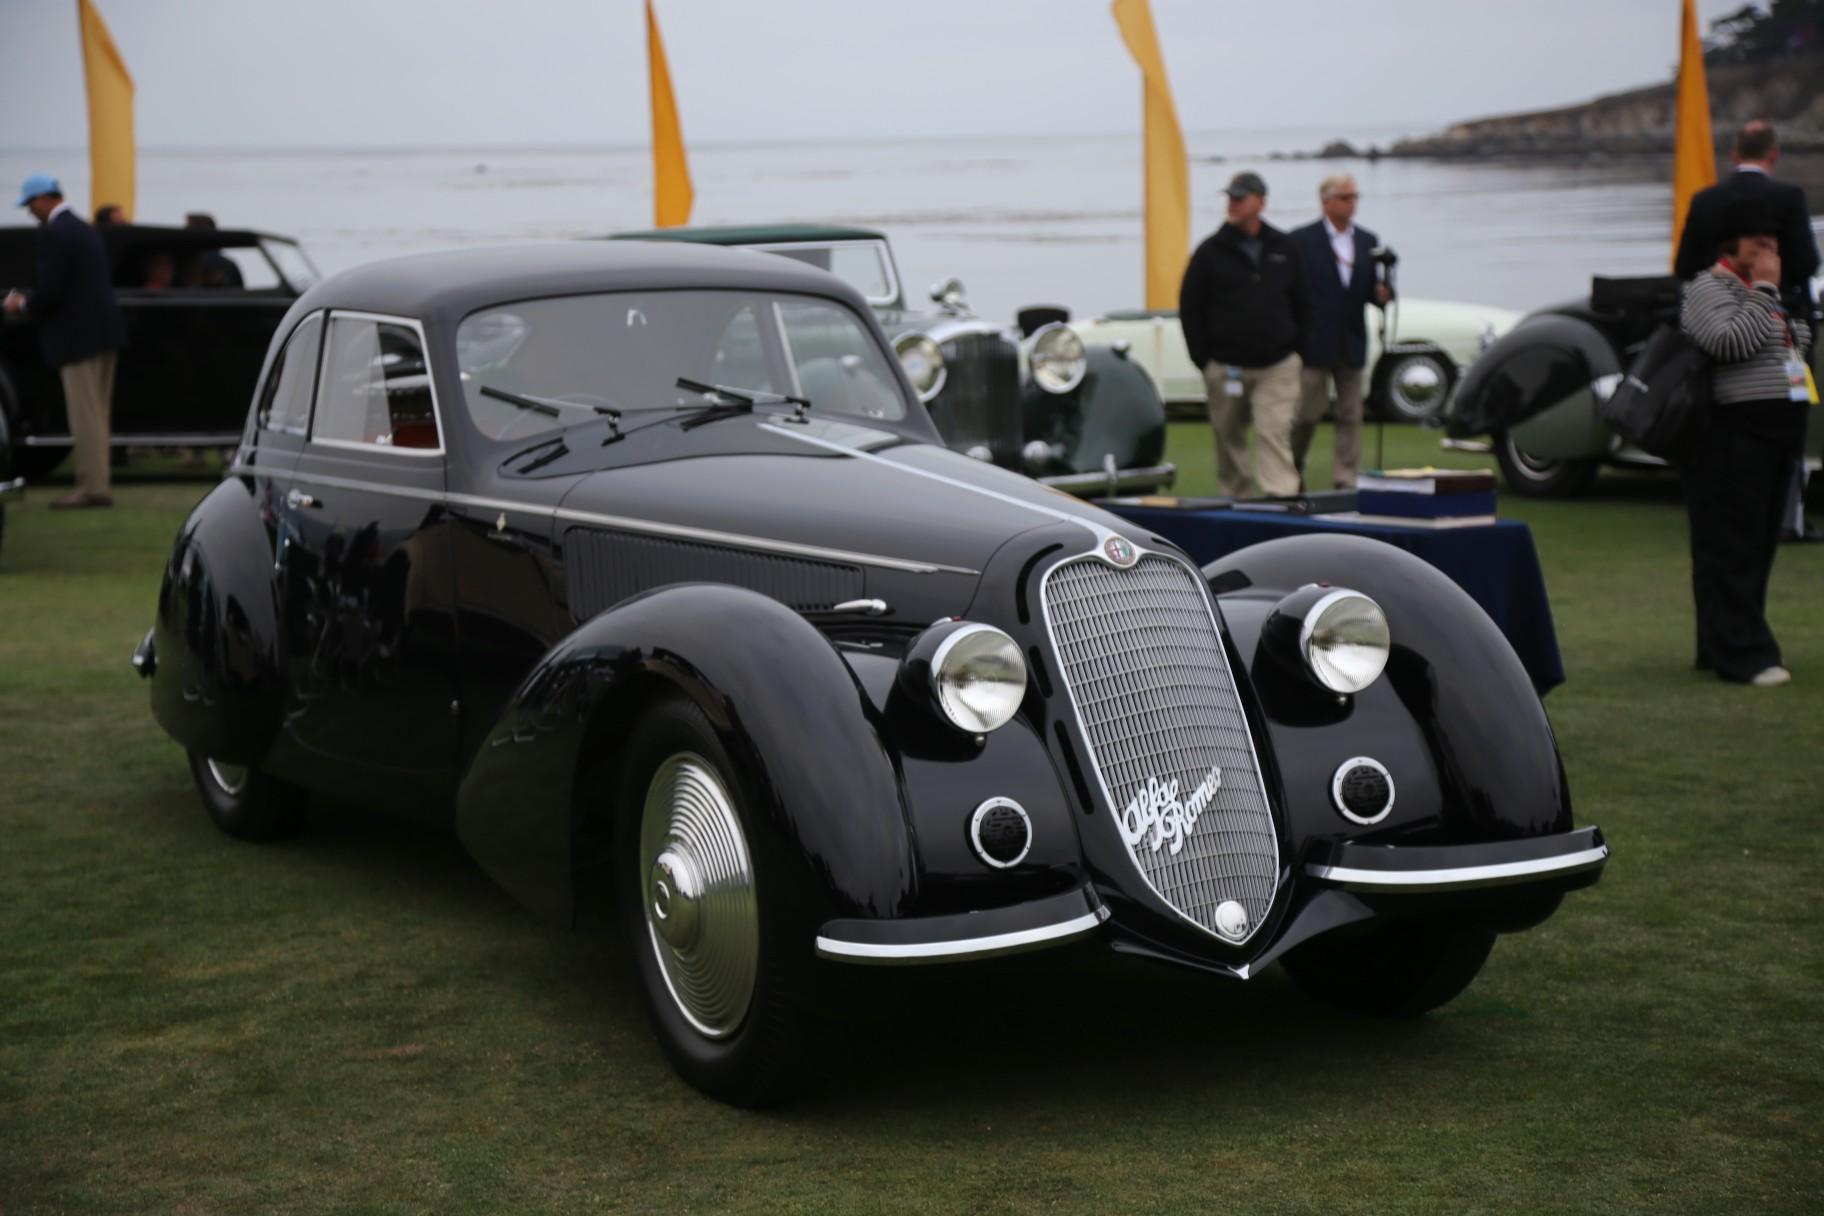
[(1076, 716), (622, 523), (966, 947), (332, 315), (1458, 878), (878, 245)]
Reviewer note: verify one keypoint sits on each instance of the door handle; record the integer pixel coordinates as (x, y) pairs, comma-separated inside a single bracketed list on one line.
[(298, 498)]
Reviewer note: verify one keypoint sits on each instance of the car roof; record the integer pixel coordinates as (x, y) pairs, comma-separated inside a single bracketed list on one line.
[(448, 286), (754, 234)]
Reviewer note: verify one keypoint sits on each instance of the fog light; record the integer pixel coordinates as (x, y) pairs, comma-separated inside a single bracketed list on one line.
[(1001, 832), (1362, 790)]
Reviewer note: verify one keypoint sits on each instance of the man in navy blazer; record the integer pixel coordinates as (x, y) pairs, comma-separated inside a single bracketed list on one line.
[(79, 328), (1340, 281)]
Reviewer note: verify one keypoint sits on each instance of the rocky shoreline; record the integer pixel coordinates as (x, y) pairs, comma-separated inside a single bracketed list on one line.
[(1635, 123)]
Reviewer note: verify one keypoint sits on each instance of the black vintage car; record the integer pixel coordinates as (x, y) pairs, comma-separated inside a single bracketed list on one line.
[(644, 566), (12, 487), (200, 307), (1032, 398)]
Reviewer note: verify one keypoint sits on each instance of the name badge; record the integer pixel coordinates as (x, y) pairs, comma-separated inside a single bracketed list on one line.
[(1799, 385), (1232, 386)]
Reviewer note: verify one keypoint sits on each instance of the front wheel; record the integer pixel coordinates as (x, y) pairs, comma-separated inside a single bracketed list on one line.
[(1542, 477), (726, 984), (1413, 387), (244, 802), (1399, 971)]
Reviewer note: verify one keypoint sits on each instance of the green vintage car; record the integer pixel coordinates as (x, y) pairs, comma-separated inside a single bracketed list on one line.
[(1032, 397)]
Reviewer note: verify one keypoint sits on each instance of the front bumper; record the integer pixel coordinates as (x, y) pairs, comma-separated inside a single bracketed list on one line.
[(12, 490), (1110, 482), (1561, 862)]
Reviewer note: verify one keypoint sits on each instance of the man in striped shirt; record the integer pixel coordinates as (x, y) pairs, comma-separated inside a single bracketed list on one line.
[(1735, 485)]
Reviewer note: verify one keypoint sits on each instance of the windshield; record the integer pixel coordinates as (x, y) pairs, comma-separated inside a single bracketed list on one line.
[(292, 263), (626, 351), (863, 265)]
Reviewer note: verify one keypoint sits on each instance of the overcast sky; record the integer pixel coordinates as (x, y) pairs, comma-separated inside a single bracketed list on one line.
[(345, 73)]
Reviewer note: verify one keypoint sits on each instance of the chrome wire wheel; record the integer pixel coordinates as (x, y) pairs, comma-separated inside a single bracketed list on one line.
[(697, 875), (231, 777), (1417, 386)]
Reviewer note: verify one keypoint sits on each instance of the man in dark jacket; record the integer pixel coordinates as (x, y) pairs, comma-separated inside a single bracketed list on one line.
[(79, 328), (1337, 257), (1244, 312), (1752, 188)]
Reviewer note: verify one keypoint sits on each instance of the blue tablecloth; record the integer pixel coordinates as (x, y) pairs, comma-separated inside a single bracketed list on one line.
[(1496, 563)]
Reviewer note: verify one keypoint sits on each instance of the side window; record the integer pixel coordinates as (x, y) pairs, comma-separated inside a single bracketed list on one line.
[(376, 387), (286, 403)]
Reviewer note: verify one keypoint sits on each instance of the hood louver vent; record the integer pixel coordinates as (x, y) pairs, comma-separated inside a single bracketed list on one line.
[(604, 568)]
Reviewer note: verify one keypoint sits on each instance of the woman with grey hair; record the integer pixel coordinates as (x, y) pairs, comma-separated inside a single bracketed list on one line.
[(1735, 484)]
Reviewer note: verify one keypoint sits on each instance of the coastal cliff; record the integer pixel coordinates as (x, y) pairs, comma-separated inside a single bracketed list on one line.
[(1789, 93)]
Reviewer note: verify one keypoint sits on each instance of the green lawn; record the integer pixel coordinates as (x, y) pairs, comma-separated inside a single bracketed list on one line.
[(357, 1021)]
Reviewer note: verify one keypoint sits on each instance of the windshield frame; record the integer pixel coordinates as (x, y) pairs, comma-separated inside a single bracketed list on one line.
[(879, 244), (915, 422)]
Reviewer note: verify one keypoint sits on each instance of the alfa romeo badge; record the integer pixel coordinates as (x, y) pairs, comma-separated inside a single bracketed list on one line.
[(1118, 551)]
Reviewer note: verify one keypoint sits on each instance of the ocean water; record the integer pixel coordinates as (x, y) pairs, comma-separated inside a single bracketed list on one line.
[(1019, 220)]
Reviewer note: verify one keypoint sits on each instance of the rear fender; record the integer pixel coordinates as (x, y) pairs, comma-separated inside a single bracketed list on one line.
[(788, 709), (219, 684), (1544, 361)]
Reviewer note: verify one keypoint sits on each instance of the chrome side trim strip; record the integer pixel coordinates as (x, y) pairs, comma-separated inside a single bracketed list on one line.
[(969, 947), (1460, 877), (647, 527), (206, 439)]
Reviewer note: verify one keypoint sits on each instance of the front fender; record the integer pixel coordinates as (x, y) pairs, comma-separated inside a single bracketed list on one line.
[(219, 685), (1454, 718), (788, 709)]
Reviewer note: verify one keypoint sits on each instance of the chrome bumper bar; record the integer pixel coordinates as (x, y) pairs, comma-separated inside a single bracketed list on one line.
[(1121, 481), (12, 490), (1393, 869), (968, 935)]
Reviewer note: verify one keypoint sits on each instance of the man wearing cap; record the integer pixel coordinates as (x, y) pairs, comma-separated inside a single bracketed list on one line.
[(1244, 311), (79, 329)]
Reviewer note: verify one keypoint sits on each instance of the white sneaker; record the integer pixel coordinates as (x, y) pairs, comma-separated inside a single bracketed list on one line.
[(1772, 677)]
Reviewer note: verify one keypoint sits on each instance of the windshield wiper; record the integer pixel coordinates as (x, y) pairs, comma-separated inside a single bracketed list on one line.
[(548, 406), (735, 401)]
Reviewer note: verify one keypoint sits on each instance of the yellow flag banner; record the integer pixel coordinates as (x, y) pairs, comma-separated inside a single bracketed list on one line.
[(671, 193), (1168, 175), (110, 114), (1693, 145)]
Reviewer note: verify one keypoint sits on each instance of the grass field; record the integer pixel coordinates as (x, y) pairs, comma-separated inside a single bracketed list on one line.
[(357, 1021)]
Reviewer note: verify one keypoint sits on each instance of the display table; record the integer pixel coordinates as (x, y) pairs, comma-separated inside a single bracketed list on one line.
[(1494, 562)]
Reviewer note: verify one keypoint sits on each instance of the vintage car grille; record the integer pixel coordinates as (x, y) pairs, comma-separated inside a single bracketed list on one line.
[(980, 400), (1157, 703)]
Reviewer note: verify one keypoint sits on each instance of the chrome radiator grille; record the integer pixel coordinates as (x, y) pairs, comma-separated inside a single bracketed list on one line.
[(1158, 705)]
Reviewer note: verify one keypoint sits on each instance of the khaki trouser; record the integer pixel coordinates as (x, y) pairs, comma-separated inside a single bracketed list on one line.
[(1270, 396), (88, 395), (1314, 397)]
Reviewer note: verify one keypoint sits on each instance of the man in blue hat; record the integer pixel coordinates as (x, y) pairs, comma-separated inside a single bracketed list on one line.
[(79, 329)]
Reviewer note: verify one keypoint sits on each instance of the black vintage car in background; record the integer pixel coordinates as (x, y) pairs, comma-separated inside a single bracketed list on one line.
[(200, 308), (1034, 399), (644, 566)]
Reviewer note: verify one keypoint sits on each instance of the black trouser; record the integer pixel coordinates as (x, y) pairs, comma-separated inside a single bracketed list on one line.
[(1735, 489)]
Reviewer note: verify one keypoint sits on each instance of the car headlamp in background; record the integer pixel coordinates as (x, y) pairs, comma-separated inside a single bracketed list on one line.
[(1335, 636), (1058, 358), (924, 364), (973, 673)]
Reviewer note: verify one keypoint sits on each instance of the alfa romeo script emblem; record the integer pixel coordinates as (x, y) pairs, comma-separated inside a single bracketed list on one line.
[(1118, 551), (1156, 817)]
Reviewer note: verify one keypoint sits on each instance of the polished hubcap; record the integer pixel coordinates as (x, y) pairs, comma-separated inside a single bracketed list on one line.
[(231, 777), (1418, 386), (701, 912), (1537, 467)]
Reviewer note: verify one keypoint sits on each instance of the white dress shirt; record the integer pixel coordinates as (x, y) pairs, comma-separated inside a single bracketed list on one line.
[(1342, 242)]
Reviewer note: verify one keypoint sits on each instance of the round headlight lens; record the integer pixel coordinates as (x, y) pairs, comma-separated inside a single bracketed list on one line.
[(924, 364), (979, 678), (1058, 358), (1345, 641)]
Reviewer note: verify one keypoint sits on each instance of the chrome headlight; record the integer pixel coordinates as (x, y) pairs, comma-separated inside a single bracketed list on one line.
[(1058, 359), (973, 673), (924, 364), (1344, 640)]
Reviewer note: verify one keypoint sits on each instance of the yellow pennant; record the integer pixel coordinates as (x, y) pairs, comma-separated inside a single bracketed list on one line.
[(1168, 175), (1693, 145), (110, 114), (671, 193)]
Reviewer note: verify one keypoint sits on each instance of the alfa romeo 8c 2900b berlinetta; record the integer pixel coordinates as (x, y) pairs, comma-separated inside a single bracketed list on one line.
[(644, 561)]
